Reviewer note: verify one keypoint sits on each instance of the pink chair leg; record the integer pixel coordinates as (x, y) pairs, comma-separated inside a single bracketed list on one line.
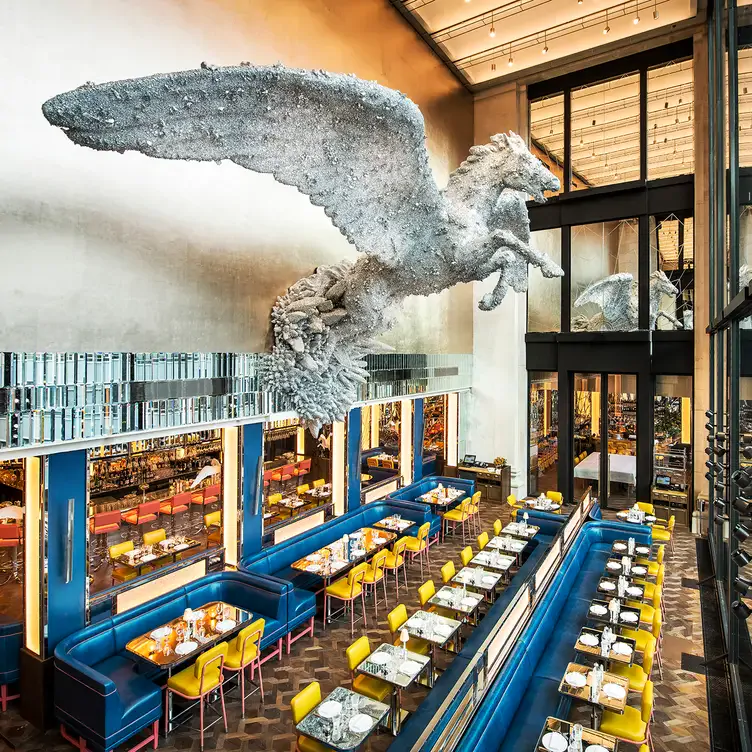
[(386, 602), (242, 692), (201, 720), (261, 681), (363, 604), (404, 571)]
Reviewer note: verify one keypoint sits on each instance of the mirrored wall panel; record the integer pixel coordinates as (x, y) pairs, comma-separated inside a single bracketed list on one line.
[(543, 412), (586, 438), (672, 272)]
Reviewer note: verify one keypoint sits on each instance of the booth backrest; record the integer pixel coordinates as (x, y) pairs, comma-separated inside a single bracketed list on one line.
[(11, 637), (414, 490), (282, 555)]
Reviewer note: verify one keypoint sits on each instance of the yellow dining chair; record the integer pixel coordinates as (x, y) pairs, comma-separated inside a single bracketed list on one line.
[(447, 572), (303, 489), (474, 511), (636, 675), (122, 574), (197, 682), (646, 640), (514, 504), (213, 525), (244, 653), (483, 540), (318, 483), (650, 587), (348, 590), (395, 560), (647, 612), (457, 516), (427, 591), (654, 565), (643, 506), (497, 527), (555, 496), (154, 536), (273, 499), (301, 705), (396, 618), (466, 555), (634, 725), (376, 574), (665, 534), (367, 686), (418, 546)]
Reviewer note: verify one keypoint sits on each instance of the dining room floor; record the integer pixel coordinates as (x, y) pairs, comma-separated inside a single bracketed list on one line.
[(681, 721)]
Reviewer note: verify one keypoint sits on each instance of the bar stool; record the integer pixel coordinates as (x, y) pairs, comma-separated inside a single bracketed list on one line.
[(512, 501), (301, 705), (10, 537), (367, 686), (418, 546), (244, 652), (302, 469), (100, 526), (375, 574), (474, 511), (144, 513), (395, 560), (197, 682), (348, 590), (665, 534), (175, 506), (457, 516), (210, 495), (268, 478)]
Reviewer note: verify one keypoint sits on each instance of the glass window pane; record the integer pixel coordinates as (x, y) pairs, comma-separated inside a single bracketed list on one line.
[(604, 276), (622, 439), (745, 106), (587, 433), (606, 132), (12, 520), (745, 426), (544, 431), (745, 245), (670, 120), (672, 252), (544, 294), (547, 134)]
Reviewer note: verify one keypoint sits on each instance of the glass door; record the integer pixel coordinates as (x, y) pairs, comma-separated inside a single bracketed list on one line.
[(621, 425), (586, 438)]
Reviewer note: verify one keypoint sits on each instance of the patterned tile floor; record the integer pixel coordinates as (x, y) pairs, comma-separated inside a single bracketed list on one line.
[(680, 717)]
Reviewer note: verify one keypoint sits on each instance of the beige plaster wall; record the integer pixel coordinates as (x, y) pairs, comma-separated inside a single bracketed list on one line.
[(108, 251)]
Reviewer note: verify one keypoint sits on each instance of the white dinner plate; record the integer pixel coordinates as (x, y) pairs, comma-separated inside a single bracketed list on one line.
[(575, 679), (613, 565), (620, 546), (443, 629), (226, 625), (634, 590), (595, 748), (148, 557), (330, 709), (555, 742), (489, 580), (410, 668), (313, 568), (598, 610), (469, 602), (629, 617), (183, 648), (314, 557), (608, 586), (642, 550), (614, 691), (360, 723), (380, 659), (621, 648), (650, 517), (589, 639), (181, 546), (639, 570), (158, 634)]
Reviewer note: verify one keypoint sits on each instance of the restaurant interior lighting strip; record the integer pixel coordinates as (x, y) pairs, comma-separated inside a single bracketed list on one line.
[(33, 554), (406, 441), (230, 492), (452, 428), (553, 33), (338, 452)]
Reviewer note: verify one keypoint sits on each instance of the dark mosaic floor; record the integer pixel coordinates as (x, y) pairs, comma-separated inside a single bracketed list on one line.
[(681, 713)]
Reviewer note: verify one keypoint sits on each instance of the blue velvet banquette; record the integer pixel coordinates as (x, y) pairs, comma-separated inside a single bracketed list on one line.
[(414, 490), (11, 637), (106, 695)]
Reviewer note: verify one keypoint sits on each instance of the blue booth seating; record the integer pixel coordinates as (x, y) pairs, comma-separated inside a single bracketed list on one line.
[(11, 636), (377, 473), (106, 695), (445, 685), (274, 563), (511, 716), (414, 490)]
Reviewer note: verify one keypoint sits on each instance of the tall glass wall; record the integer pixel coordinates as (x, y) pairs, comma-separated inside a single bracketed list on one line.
[(544, 293), (672, 272), (622, 439), (543, 408), (12, 512), (586, 437)]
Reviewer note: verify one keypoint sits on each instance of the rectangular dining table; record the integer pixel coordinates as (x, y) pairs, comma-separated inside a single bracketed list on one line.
[(334, 559), (641, 519), (341, 732), (520, 530), (609, 588), (480, 579), (394, 523), (604, 700), (618, 654), (148, 556), (625, 622), (614, 568), (399, 668), (171, 645), (541, 505), (556, 726), (620, 548), (493, 559), (454, 599), (435, 629)]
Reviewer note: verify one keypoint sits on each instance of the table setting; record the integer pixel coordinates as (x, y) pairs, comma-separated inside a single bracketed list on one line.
[(606, 644), (625, 566), (343, 720), (396, 523), (507, 543), (630, 548), (478, 578), (320, 492), (457, 599), (562, 736), (542, 503), (432, 627), (596, 687), (636, 516), (493, 559), (441, 495), (615, 614), (521, 529), (621, 587)]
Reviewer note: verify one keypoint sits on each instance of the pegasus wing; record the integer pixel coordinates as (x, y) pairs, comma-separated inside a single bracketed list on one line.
[(611, 294), (356, 148)]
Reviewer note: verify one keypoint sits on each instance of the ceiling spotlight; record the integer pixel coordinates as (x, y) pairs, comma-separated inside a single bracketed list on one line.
[(742, 585), (708, 426), (656, 15), (709, 414), (492, 31), (720, 488), (747, 452), (544, 50), (720, 507), (742, 505), (720, 451), (606, 29), (741, 478), (708, 476), (741, 609), (720, 437), (708, 451), (709, 464), (510, 62), (741, 532), (741, 558), (579, 2), (721, 519)]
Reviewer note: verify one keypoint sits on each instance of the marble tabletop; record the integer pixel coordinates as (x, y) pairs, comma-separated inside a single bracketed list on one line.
[(389, 664), (431, 627)]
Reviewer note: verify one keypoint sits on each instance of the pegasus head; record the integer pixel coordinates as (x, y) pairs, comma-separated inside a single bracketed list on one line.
[(521, 170), (659, 282)]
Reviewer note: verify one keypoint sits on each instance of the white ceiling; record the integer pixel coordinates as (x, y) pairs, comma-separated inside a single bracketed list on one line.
[(480, 37)]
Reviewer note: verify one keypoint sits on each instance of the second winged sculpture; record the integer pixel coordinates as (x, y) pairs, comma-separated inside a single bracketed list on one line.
[(357, 149)]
